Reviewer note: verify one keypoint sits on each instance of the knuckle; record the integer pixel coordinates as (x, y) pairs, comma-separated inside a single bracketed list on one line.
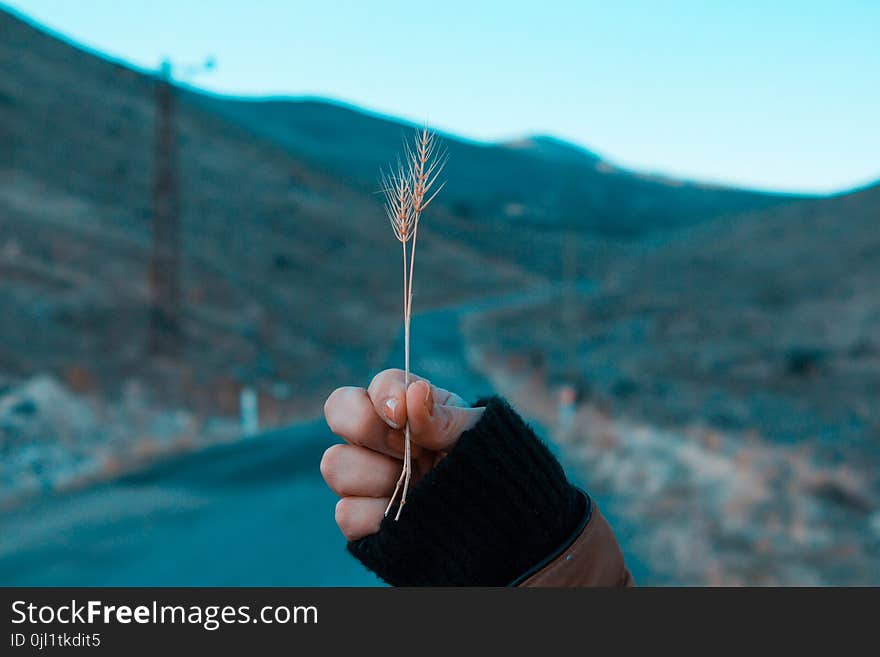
[(331, 405), (330, 463), (385, 379), (347, 412), (343, 515)]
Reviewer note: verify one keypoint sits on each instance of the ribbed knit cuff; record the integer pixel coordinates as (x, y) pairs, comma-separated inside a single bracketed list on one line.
[(496, 506)]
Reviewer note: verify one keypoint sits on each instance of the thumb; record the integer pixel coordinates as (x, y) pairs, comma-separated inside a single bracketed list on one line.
[(436, 417)]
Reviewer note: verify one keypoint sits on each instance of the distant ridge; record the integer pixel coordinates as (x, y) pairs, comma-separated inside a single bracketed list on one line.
[(552, 148)]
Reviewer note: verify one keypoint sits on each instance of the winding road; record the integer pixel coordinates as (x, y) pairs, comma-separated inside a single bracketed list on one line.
[(254, 512)]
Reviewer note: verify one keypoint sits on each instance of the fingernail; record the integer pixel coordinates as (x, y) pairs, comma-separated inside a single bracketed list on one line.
[(388, 410), (429, 402)]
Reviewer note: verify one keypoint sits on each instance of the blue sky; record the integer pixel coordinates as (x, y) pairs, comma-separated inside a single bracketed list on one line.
[(775, 95)]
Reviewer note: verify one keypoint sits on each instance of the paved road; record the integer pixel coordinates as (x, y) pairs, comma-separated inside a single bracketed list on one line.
[(250, 513)]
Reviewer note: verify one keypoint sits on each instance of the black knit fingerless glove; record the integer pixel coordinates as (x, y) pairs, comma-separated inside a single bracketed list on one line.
[(496, 507)]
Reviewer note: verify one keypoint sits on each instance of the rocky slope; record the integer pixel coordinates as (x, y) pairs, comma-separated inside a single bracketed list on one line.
[(289, 271)]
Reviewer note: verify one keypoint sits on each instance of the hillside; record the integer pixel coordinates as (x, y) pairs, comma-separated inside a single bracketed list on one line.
[(729, 380), (768, 322), (286, 269), (288, 265), (505, 199)]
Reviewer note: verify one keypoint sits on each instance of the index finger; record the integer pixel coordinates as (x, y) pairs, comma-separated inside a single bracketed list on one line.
[(351, 416), (436, 416), (387, 392)]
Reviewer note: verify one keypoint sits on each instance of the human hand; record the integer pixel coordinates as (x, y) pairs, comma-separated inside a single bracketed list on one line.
[(363, 472)]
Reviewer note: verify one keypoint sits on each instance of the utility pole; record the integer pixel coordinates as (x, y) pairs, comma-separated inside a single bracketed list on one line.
[(165, 332), (164, 275)]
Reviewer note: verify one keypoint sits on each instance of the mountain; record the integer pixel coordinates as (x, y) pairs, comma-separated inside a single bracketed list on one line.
[(289, 274), (768, 322), (550, 183)]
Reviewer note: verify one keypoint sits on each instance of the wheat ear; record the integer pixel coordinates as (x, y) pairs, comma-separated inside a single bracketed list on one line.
[(409, 189)]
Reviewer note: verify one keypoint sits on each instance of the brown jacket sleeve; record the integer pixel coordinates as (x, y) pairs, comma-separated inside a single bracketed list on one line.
[(593, 559)]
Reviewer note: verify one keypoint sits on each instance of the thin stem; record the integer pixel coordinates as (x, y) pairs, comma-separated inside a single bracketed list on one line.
[(407, 450), (407, 469), (403, 472), (407, 307)]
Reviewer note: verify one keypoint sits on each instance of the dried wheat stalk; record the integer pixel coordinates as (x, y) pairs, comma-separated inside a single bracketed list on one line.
[(409, 188)]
